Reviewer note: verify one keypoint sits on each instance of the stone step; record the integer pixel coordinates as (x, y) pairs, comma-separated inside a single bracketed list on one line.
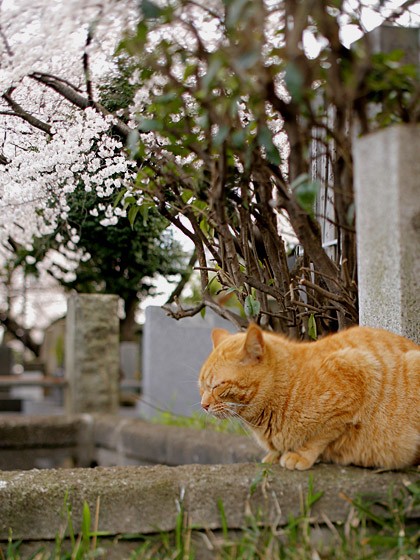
[(147, 499)]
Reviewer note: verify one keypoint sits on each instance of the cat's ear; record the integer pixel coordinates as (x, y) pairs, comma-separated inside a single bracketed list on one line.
[(254, 342), (217, 335)]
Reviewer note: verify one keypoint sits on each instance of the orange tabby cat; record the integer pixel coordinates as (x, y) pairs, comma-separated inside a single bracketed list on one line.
[(352, 397)]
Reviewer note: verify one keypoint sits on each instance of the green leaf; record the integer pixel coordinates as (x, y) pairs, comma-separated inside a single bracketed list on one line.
[(150, 10), (133, 142), (141, 35), (187, 195), (265, 140), (213, 69), (86, 522), (311, 497), (305, 192), (144, 211), (312, 330), (134, 45), (251, 306), (132, 214), (129, 201), (204, 226), (384, 541), (364, 509), (177, 150), (248, 59), (231, 290), (190, 69), (238, 138), (221, 135), (414, 489), (203, 121), (235, 11), (223, 518), (200, 205), (119, 196), (149, 125), (258, 480), (166, 97), (294, 81)]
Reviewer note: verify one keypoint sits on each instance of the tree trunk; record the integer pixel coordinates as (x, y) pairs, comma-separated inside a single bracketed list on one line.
[(128, 325)]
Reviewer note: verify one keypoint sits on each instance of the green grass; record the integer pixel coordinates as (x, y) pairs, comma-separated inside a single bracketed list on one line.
[(372, 531), (200, 421)]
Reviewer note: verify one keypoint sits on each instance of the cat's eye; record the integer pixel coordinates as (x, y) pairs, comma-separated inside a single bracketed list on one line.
[(222, 389), (218, 385)]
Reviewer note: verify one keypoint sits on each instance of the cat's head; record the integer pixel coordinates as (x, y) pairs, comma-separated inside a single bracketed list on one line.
[(231, 376)]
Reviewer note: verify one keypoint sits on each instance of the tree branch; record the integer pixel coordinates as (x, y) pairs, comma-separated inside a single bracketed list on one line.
[(20, 333), (20, 112), (70, 93)]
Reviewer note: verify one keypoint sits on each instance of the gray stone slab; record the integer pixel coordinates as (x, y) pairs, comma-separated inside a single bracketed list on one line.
[(147, 499), (387, 180), (173, 353)]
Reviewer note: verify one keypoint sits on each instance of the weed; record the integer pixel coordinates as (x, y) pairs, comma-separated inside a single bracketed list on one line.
[(200, 421)]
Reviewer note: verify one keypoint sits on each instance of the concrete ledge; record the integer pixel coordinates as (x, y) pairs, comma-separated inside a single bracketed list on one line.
[(146, 499)]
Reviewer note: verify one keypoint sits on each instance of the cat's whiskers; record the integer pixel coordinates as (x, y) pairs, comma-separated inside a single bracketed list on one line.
[(242, 419), (236, 404)]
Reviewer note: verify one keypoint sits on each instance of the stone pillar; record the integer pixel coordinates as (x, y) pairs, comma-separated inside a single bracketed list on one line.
[(387, 182), (92, 353)]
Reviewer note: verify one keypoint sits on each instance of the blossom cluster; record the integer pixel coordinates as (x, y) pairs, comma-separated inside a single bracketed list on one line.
[(45, 36), (35, 185)]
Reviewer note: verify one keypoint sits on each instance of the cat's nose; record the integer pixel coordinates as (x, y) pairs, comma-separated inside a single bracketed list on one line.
[(205, 405)]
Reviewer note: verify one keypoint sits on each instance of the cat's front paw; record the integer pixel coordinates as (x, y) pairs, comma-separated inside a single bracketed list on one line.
[(292, 461), (272, 457)]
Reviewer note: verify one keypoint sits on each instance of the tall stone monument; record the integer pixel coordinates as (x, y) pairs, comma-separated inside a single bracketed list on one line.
[(92, 354)]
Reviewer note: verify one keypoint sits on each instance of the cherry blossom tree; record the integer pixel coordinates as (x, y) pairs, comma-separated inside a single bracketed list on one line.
[(55, 139)]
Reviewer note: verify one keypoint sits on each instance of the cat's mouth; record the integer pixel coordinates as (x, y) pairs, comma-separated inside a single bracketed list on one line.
[(219, 411)]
